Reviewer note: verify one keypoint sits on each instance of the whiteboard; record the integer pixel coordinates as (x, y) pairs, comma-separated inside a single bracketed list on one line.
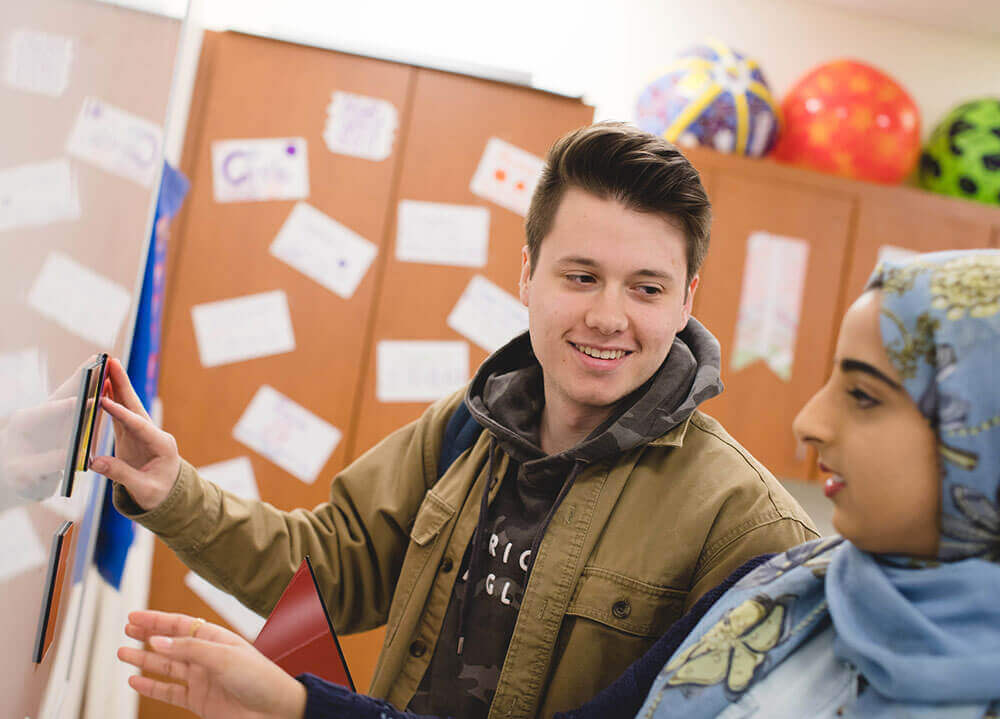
[(84, 93)]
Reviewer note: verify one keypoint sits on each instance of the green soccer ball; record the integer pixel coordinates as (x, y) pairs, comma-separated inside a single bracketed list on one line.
[(962, 157)]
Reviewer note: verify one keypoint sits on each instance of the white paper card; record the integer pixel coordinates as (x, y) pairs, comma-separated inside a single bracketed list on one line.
[(265, 169), (894, 254), (245, 621), (770, 302), (323, 249), (419, 371), (507, 175), (79, 300), (117, 141), (23, 380), (38, 194), (360, 126), (39, 62), (21, 549), (233, 475), (442, 234), (287, 434), (243, 328), (488, 315)]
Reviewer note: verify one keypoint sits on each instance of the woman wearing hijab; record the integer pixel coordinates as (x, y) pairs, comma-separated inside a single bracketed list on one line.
[(898, 616)]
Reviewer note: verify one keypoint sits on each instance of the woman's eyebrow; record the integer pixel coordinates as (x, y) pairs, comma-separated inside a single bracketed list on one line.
[(853, 365)]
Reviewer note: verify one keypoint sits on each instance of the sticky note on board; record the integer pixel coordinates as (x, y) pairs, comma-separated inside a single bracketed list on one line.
[(507, 175), (360, 126), (419, 371), (245, 621), (324, 250), (39, 62), (442, 234), (253, 170), (79, 300), (233, 475), (287, 434), (39, 193), (117, 141), (243, 328), (488, 315)]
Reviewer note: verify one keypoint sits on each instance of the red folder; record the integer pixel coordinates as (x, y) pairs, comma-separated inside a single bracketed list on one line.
[(299, 637)]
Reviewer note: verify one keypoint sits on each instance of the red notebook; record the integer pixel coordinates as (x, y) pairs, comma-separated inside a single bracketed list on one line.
[(299, 637)]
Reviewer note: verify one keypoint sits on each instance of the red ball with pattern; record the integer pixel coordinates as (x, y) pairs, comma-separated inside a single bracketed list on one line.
[(848, 118)]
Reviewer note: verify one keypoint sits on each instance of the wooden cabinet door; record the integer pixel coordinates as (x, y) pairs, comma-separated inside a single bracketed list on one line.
[(921, 222), (757, 407), (251, 87), (452, 119)]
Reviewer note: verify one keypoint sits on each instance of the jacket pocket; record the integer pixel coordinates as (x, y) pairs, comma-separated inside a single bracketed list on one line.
[(625, 604), (431, 517)]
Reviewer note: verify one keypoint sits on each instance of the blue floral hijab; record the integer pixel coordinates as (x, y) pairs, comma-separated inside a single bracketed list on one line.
[(925, 635)]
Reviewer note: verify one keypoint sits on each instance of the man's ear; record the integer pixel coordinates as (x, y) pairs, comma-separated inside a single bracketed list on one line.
[(689, 300), (522, 284)]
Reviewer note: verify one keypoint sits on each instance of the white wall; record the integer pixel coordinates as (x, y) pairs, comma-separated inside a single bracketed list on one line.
[(607, 51)]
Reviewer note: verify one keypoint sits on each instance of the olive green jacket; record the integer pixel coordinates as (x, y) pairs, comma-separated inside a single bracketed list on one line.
[(636, 542)]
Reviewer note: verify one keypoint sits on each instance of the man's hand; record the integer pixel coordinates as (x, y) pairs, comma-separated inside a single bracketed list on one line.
[(147, 461), (222, 676)]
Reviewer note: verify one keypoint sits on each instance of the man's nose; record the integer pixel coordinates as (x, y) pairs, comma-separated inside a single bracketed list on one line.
[(607, 314)]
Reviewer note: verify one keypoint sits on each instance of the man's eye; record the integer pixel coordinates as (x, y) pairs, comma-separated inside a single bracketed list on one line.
[(580, 279), (650, 290), (862, 398)]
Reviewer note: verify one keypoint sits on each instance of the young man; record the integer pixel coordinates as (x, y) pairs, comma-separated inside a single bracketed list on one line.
[(593, 473)]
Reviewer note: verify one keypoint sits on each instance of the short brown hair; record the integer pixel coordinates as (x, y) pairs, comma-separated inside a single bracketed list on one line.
[(613, 160)]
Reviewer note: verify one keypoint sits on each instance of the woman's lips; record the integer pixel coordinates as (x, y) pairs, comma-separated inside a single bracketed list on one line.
[(833, 485)]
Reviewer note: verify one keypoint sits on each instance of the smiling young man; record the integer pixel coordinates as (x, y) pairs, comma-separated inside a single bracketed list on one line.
[(594, 504)]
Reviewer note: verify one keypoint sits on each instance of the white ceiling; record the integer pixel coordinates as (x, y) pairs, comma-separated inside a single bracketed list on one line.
[(974, 17)]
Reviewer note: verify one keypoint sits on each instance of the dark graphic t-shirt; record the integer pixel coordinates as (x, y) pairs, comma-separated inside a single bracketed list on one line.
[(463, 685)]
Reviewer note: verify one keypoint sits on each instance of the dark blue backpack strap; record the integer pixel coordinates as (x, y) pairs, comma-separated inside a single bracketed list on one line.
[(460, 433)]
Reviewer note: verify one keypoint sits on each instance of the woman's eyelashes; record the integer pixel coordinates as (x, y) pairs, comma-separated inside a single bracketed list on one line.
[(862, 399)]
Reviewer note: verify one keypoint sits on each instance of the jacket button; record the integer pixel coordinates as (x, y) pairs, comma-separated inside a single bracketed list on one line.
[(621, 609), (446, 565), (418, 648)]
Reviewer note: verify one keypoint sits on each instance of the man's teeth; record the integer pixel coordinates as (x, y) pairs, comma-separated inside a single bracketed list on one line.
[(601, 354)]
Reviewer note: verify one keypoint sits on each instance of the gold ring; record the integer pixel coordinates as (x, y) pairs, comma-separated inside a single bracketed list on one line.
[(195, 624)]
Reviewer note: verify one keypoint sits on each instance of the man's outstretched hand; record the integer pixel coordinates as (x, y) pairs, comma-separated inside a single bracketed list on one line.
[(147, 460)]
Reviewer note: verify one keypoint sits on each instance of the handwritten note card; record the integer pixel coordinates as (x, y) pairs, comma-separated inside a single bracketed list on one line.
[(79, 300), (507, 175), (442, 234), (264, 169), (117, 141), (245, 621), (233, 475), (360, 126), (39, 62), (287, 434), (419, 371), (243, 328), (38, 194), (323, 249), (488, 315)]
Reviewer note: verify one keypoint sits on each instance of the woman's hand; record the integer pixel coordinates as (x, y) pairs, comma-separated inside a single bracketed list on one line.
[(147, 460), (221, 675)]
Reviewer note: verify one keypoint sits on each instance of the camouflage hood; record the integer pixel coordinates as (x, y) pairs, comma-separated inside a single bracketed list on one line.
[(506, 397)]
